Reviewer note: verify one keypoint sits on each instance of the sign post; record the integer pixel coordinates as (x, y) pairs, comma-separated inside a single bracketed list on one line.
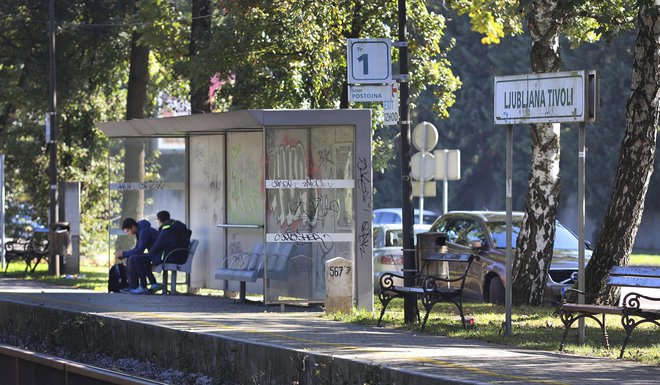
[(555, 97)]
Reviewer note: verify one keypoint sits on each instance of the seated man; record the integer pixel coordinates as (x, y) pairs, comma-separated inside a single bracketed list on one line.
[(145, 237), (172, 243)]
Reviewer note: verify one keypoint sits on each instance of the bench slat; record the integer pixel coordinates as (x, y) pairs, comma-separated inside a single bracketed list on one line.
[(591, 309), (639, 271), (404, 289), (448, 257), (629, 281)]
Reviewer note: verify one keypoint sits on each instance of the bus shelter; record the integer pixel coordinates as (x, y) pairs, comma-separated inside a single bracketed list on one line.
[(291, 184)]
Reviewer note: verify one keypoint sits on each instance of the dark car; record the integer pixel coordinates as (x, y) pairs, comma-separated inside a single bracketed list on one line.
[(484, 233)]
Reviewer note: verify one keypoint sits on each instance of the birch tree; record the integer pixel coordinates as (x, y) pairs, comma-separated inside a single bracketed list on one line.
[(636, 157), (547, 20)]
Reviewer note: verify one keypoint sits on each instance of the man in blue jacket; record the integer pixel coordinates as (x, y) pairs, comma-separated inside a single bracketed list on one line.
[(145, 237), (171, 246)]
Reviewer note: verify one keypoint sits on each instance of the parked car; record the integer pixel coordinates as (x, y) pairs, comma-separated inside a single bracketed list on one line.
[(394, 215), (23, 226), (484, 233), (388, 248)]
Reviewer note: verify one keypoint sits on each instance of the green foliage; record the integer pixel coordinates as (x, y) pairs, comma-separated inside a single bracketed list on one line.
[(293, 52), (581, 21), (92, 71), (470, 127), (494, 19)]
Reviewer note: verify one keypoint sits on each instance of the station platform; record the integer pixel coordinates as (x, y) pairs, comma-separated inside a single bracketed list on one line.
[(256, 344)]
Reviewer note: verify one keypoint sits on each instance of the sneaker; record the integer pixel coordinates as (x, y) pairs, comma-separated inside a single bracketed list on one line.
[(125, 290), (155, 287), (140, 290)]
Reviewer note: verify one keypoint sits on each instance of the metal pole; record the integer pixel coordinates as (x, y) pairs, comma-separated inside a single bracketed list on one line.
[(445, 185), (410, 302), (421, 181), (581, 220), (52, 107), (53, 268), (508, 292)]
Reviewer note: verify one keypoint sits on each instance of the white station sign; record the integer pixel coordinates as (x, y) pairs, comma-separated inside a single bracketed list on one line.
[(370, 93), (369, 61), (555, 97)]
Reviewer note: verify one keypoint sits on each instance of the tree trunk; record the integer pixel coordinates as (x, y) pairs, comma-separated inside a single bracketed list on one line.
[(133, 200), (536, 238), (199, 35), (636, 158)]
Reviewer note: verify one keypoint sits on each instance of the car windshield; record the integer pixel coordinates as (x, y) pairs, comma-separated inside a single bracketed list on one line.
[(564, 238)]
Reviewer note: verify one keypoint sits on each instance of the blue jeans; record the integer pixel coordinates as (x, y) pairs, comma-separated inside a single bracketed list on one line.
[(143, 264), (137, 275)]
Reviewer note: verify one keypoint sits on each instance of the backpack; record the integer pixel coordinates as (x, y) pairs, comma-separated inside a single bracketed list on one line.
[(117, 279)]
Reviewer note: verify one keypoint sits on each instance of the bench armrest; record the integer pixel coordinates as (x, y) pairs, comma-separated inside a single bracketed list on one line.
[(387, 279), (571, 295), (632, 301), (236, 261), (186, 249)]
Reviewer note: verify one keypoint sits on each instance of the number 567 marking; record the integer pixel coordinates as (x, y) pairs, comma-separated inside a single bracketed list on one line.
[(338, 271)]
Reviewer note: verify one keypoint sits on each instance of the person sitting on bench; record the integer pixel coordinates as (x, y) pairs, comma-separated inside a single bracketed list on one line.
[(145, 237), (173, 242)]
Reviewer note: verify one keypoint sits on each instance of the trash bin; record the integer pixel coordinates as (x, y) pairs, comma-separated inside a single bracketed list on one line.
[(59, 239), (431, 243)]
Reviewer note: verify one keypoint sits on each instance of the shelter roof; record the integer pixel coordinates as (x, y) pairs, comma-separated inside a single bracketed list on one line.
[(231, 121)]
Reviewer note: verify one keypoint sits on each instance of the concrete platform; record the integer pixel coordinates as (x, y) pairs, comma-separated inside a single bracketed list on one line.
[(256, 344)]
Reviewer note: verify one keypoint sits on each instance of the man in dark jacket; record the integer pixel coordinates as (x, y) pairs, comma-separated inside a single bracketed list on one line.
[(171, 246), (145, 237)]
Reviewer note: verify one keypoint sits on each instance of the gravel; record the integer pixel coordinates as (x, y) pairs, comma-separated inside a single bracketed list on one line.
[(129, 366)]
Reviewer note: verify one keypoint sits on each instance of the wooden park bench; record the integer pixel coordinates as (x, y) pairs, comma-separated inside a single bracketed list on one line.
[(429, 287), (634, 309), (248, 267)]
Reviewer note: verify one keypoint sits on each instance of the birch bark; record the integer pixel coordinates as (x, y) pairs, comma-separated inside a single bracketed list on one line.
[(536, 237), (636, 157)]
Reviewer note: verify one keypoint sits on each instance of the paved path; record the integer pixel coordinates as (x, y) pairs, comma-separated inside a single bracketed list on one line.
[(302, 329)]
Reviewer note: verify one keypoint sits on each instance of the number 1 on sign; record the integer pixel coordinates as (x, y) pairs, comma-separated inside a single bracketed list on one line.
[(364, 58)]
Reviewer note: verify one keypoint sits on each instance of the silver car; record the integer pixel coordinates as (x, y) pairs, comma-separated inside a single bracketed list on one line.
[(484, 233), (388, 249)]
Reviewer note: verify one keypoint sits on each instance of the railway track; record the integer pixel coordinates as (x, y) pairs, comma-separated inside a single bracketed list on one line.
[(24, 367)]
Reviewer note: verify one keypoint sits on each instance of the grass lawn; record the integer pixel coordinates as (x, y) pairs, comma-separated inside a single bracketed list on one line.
[(532, 328), (90, 277), (644, 259)]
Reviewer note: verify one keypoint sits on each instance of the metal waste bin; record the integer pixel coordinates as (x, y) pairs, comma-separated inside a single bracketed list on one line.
[(431, 243), (59, 239)]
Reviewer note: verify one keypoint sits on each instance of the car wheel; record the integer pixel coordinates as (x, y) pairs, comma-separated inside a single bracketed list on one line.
[(496, 291)]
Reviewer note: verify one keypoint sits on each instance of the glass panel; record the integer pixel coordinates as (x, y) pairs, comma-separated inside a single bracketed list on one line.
[(207, 207), (309, 208), (150, 177)]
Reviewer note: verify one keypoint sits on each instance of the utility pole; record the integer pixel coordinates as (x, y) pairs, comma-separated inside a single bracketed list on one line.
[(409, 270), (51, 115), (51, 126)]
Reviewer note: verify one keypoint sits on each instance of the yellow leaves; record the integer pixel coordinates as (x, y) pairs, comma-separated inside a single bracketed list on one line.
[(485, 23)]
